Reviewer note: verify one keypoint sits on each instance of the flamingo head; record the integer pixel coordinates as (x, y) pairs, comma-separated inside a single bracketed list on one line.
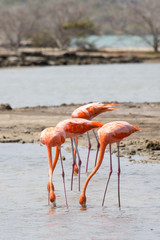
[(75, 170), (82, 200), (52, 197)]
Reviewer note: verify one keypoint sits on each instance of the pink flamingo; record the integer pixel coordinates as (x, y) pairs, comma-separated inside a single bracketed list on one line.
[(55, 137), (112, 132), (89, 111)]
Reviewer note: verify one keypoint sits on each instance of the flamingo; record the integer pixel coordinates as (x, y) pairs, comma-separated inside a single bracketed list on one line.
[(55, 137), (89, 111), (112, 132)]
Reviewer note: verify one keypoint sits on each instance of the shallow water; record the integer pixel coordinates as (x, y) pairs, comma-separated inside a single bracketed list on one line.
[(22, 87), (114, 41), (25, 213)]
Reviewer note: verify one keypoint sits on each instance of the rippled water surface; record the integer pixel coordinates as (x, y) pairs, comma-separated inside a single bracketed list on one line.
[(25, 213), (80, 84)]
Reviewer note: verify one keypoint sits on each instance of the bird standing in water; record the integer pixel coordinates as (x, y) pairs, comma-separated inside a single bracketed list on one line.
[(55, 137), (89, 111), (112, 132)]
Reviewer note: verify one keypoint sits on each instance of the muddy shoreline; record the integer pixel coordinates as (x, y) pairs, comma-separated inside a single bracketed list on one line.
[(24, 125), (54, 57)]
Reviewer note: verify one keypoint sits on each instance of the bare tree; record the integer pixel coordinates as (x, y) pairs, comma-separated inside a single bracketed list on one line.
[(14, 25), (144, 20), (61, 22), (134, 17), (45, 24)]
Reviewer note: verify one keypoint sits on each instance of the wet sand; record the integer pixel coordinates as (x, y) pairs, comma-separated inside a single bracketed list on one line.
[(24, 125)]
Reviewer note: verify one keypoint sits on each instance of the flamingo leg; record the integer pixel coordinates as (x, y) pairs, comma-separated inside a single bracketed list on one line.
[(98, 146), (63, 176), (89, 149), (48, 188), (118, 173), (110, 173), (79, 162), (73, 163)]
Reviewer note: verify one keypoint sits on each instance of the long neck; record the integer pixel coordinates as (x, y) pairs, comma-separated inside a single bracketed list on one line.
[(99, 162), (55, 159), (50, 164)]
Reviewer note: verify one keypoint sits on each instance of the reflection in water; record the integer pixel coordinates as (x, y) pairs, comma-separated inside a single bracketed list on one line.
[(83, 208), (26, 215), (52, 211)]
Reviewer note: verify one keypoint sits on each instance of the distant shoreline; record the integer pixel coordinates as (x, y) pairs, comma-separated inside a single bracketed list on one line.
[(54, 57)]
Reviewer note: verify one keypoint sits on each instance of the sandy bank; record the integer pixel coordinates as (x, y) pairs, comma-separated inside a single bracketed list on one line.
[(25, 124)]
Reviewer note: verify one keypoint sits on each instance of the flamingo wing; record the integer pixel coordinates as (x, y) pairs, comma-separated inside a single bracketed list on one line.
[(91, 110), (116, 131), (77, 126)]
